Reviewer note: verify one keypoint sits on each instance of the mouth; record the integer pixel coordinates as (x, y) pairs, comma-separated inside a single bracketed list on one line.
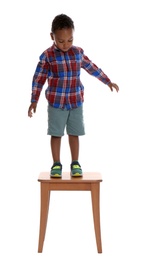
[(65, 49)]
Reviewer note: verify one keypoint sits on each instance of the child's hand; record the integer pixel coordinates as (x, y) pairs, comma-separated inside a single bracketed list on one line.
[(113, 85), (32, 107)]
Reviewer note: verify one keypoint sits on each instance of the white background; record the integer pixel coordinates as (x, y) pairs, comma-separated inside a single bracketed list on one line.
[(110, 34)]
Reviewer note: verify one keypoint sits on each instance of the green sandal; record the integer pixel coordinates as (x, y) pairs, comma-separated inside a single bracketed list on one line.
[(76, 170), (56, 170)]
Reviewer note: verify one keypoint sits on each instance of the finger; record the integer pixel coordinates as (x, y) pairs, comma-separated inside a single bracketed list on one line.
[(117, 88), (29, 112)]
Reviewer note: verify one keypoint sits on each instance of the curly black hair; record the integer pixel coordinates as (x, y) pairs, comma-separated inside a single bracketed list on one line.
[(61, 21)]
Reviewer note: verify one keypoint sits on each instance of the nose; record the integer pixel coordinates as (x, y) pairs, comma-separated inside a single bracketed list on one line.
[(66, 45)]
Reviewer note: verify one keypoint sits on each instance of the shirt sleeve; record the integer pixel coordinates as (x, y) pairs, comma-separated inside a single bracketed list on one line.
[(93, 70), (39, 78)]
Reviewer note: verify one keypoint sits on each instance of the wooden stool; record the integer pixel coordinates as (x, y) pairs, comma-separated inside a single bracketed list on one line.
[(89, 182)]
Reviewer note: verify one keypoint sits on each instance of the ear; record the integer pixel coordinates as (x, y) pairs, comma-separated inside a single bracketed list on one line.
[(52, 36)]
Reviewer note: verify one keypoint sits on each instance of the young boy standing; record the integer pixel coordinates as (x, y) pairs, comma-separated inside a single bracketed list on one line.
[(60, 65)]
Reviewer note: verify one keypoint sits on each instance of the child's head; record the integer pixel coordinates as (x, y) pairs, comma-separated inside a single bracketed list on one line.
[(60, 22), (62, 31)]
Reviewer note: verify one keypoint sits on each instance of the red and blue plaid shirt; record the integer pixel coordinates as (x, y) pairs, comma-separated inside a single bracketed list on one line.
[(62, 71)]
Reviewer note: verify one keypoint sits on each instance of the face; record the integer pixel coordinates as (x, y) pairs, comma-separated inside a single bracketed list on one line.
[(63, 38)]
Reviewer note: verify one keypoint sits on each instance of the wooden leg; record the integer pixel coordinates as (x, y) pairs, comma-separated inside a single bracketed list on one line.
[(95, 193), (44, 208)]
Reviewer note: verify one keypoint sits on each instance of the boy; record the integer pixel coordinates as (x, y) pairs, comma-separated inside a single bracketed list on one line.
[(60, 64)]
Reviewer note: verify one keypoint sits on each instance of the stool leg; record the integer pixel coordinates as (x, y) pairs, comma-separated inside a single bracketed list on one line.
[(44, 208), (95, 194)]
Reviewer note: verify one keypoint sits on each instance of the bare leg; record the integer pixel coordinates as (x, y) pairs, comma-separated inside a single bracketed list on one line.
[(55, 148), (74, 147)]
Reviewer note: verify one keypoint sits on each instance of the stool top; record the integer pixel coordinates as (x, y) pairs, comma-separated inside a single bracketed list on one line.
[(66, 177)]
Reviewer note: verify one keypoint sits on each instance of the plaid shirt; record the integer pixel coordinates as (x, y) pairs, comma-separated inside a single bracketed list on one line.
[(62, 71)]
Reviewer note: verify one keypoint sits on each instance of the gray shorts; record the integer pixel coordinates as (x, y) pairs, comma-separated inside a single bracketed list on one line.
[(61, 119)]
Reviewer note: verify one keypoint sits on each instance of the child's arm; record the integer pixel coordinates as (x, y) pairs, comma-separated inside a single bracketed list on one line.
[(39, 79), (93, 70)]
